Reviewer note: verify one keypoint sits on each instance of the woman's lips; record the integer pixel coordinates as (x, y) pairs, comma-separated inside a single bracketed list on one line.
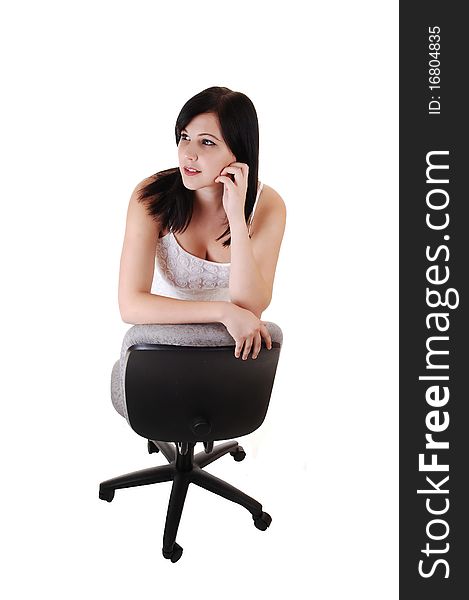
[(190, 173)]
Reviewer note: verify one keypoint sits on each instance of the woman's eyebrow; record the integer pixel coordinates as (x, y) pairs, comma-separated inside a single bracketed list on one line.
[(206, 133), (210, 134)]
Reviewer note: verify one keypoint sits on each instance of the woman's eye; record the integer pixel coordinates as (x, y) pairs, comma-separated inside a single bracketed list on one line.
[(204, 141)]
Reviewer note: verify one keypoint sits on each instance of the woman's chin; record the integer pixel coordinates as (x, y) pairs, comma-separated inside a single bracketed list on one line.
[(190, 185)]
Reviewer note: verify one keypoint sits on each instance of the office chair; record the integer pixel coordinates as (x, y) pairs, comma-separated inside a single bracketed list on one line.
[(181, 384)]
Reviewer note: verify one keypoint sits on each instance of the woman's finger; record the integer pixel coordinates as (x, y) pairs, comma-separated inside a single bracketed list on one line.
[(238, 347), (226, 180), (266, 335), (256, 347), (233, 169), (239, 170), (247, 347)]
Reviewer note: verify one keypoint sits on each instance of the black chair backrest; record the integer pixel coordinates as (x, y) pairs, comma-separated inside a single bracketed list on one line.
[(197, 394)]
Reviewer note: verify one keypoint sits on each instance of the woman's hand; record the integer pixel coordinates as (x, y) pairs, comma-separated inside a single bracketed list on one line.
[(234, 189), (246, 329)]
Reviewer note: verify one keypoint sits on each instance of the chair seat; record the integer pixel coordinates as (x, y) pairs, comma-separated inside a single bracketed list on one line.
[(117, 395)]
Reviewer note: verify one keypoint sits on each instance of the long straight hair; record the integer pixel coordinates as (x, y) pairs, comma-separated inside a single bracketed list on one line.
[(167, 199)]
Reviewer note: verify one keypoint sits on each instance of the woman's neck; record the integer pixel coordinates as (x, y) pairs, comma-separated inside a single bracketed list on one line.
[(208, 201)]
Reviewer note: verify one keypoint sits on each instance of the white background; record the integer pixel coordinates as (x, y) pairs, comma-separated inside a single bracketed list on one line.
[(91, 92)]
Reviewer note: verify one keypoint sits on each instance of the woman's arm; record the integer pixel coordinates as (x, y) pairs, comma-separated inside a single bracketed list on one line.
[(150, 308), (254, 260)]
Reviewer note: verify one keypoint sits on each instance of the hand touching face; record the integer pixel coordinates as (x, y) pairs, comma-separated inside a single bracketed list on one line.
[(235, 184)]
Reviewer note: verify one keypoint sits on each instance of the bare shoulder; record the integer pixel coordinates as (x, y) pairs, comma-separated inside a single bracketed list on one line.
[(270, 204), (142, 184), (137, 215), (271, 200), (270, 214)]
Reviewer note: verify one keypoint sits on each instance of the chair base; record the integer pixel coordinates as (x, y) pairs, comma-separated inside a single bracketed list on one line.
[(184, 468)]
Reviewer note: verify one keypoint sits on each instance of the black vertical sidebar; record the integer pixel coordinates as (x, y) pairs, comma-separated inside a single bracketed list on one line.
[(434, 251)]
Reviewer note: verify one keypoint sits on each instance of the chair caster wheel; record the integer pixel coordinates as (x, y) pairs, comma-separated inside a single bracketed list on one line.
[(107, 495), (263, 521), (239, 454), (175, 553), (152, 448)]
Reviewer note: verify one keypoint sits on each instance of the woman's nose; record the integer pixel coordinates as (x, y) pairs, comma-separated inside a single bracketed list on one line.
[(190, 151)]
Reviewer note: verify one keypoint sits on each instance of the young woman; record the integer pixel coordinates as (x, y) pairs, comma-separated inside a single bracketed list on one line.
[(193, 251)]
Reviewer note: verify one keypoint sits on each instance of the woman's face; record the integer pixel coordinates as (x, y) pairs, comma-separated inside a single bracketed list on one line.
[(201, 147)]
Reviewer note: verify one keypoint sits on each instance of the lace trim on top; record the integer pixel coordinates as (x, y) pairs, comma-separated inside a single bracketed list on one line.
[(184, 270)]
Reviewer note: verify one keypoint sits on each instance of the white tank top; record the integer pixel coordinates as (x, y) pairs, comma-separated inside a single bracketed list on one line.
[(179, 274)]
